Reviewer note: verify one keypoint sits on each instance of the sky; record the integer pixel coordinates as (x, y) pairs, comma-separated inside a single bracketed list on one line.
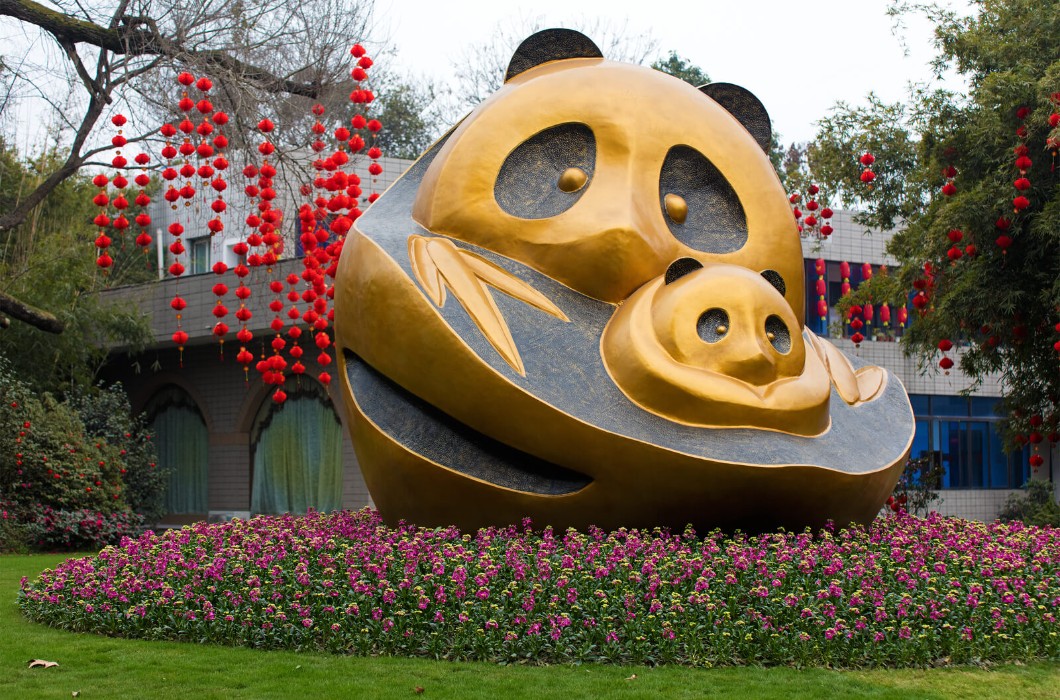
[(798, 58)]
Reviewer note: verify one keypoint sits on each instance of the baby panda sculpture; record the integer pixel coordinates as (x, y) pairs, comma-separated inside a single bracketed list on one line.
[(584, 305)]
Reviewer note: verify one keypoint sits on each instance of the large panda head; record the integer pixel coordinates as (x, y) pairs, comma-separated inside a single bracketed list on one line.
[(601, 174)]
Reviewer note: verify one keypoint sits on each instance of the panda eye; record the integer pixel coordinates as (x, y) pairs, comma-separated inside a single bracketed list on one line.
[(572, 179), (702, 209), (676, 208), (546, 174), (713, 324), (778, 335)]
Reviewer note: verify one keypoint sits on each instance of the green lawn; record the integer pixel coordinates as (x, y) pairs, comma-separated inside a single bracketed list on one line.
[(101, 667)]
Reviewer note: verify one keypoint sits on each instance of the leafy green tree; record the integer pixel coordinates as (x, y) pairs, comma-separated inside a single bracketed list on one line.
[(47, 262), (986, 261), (410, 121), (682, 68)]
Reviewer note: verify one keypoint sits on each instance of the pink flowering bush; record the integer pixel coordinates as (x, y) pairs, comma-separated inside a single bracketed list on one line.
[(58, 530), (903, 592)]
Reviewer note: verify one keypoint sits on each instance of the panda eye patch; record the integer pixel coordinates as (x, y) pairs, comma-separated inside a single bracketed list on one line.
[(546, 174), (711, 218)]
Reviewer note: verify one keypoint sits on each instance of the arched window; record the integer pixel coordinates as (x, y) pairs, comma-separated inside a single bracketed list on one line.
[(297, 456), (182, 443)]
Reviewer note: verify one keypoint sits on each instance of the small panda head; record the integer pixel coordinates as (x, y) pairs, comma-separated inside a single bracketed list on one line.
[(601, 174)]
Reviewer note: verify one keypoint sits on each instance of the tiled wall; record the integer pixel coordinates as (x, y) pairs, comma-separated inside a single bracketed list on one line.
[(974, 504), (850, 242), (916, 379)]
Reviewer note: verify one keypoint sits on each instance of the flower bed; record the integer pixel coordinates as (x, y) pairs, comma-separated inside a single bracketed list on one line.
[(903, 592)]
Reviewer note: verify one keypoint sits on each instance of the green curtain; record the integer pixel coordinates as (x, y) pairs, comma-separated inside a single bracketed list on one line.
[(298, 459), (181, 440)]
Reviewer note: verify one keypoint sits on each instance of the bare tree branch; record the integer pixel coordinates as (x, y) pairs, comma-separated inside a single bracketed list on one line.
[(140, 36), (254, 51), (90, 83)]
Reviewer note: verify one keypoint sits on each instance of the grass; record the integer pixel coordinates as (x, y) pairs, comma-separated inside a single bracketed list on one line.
[(101, 667)]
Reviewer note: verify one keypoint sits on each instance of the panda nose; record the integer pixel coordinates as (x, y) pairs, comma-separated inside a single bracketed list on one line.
[(747, 354)]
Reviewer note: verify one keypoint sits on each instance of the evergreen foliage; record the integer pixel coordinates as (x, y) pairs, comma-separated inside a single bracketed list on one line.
[(47, 261), (999, 305)]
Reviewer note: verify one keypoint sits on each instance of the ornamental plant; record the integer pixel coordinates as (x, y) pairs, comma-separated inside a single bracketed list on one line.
[(70, 470), (903, 591), (14, 535), (47, 459), (81, 529), (970, 180), (107, 416), (917, 487), (1036, 505)]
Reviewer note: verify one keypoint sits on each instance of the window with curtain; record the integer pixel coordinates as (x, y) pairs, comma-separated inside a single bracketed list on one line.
[(182, 441), (297, 456)]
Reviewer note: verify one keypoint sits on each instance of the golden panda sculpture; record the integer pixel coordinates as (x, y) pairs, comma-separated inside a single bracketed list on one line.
[(583, 305)]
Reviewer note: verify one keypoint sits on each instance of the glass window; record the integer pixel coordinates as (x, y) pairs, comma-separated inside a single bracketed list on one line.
[(1000, 468), (970, 451), (949, 405), (948, 445), (1020, 466), (921, 440), (975, 445), (199, 259), (984, 406)]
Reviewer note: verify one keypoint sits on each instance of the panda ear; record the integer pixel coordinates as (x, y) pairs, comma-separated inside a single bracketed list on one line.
[(747, 109), (550, 45)]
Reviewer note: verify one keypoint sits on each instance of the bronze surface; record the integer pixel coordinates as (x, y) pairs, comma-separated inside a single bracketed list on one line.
[(588, 314)]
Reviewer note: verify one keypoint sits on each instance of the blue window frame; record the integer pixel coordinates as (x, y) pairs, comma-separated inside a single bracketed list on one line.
[(960, 434)]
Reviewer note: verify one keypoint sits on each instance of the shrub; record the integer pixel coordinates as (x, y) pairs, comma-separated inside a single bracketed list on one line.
[(70, 470), (13, 536), (107, 416), (1035, 506), (81, 529), (917, 487), (46, 458)]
